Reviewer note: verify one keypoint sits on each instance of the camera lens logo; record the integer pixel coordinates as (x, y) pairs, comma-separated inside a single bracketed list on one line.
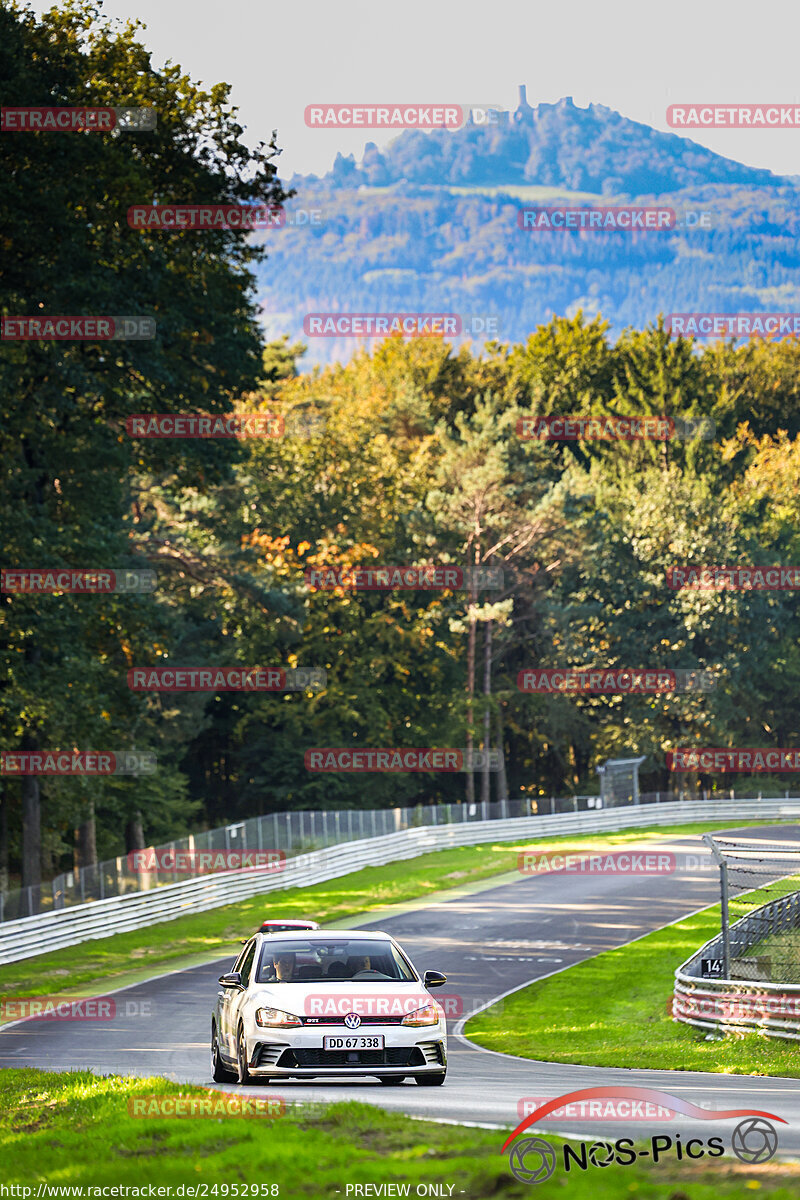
[(352, 1020), (754, 1140), (601, 1154), (542, 1162)]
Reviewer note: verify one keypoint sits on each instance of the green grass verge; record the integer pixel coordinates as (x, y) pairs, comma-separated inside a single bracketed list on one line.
[(75, 1130), (613, 1011), (127, 957)]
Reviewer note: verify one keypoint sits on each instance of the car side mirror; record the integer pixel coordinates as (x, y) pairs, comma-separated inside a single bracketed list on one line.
[(232, 979), (432, 979)]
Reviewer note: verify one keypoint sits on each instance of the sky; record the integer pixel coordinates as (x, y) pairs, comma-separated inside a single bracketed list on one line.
[(630, 55)]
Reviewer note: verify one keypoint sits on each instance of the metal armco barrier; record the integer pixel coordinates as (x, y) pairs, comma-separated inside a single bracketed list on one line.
[(100, 918), (728, 1005)]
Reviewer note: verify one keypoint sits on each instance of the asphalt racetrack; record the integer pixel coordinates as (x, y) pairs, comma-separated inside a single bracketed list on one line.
[(488, 943)]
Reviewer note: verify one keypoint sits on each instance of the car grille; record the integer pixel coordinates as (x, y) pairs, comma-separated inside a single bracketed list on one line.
[(395, 1056), (395, 1020)]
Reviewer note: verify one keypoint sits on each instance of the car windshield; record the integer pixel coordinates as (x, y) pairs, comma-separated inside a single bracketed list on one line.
[(297, 960)]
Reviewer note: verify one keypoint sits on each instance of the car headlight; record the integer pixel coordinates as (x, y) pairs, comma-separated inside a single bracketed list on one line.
[(276, 1018), (428, 1015)]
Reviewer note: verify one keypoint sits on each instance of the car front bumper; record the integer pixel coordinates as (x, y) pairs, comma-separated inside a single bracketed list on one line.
[(300, 1053)]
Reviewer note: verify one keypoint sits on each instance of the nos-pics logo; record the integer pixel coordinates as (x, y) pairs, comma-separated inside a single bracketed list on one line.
[(533, 1159)]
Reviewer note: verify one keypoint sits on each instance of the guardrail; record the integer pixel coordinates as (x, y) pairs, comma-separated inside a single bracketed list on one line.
[(290, 833), (731, 1005), (101, 918)]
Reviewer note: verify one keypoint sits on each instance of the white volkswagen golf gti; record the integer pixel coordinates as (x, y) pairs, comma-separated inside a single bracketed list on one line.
[(322, 1005)]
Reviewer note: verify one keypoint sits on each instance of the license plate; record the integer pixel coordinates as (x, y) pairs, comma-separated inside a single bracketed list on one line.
[(357, 1041)]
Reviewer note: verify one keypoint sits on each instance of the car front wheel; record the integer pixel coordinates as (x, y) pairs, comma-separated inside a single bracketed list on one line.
[(219, 1071), (242, 1072), (431, 1080)]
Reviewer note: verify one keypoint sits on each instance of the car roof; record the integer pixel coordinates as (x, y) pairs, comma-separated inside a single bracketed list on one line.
[(335, 935), (296, 924)]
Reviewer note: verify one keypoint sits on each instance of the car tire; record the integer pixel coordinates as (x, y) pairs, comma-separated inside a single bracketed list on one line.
[(242, 1074), (431, 1080), (391, 1079), (219, 1072)]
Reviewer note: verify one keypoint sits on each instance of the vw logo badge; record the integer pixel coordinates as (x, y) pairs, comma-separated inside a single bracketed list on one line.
[(352, 1020)]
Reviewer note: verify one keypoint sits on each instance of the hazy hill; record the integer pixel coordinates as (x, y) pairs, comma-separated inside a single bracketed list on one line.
[(430, 225)]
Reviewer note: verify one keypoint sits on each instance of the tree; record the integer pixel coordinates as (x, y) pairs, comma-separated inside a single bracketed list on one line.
[(70, 470)]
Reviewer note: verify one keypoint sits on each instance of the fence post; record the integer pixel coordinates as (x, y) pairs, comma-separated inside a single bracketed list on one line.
[(288, 832), (723, 891), (552, 806), (575, 803), (336, 823), (374, 823), (259, 834), (325, 825)]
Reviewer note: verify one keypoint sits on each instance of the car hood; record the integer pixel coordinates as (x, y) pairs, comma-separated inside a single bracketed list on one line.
[(332, 999)]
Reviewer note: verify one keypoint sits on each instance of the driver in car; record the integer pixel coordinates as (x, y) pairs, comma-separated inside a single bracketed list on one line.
[(283, 966)]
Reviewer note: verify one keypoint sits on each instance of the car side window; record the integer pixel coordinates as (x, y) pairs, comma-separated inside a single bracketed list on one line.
[(247, 964)]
